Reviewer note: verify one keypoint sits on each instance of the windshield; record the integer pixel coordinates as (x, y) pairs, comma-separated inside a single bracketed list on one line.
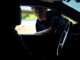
[(73, 4)]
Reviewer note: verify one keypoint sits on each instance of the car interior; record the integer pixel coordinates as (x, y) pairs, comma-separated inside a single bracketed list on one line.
[(40, 47)]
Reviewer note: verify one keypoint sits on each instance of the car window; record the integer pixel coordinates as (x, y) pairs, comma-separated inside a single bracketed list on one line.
[(28, 21), (28, 27)]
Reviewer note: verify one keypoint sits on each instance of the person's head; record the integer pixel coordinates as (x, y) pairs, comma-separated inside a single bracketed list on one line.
[(40, 12)]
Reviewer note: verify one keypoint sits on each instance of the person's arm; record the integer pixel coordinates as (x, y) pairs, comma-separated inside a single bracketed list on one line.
[(55, 23), (44, 32)]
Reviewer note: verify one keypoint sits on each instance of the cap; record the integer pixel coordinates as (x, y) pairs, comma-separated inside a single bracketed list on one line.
[(38, 8)]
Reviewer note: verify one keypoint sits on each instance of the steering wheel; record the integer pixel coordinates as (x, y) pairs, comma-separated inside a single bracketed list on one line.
[(63, 38)]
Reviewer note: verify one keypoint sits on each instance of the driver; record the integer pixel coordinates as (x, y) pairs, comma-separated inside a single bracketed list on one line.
[(43, 18), (56, 22)]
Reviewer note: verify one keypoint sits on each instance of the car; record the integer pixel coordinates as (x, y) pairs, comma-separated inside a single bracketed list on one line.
[(41, 46), (70, 34), (68, 10)]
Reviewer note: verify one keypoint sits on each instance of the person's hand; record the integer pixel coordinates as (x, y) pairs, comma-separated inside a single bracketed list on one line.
[(44, 32), (38, 33)]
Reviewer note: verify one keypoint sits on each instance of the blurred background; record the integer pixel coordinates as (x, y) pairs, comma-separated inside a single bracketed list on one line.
[(28, 21)]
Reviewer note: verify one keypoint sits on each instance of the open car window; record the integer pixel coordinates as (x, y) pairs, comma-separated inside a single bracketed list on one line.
[(28, 21), (69, 8)]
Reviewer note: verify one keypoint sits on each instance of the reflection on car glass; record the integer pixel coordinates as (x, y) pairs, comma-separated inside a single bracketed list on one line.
[(73, 4), (50, 1)]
